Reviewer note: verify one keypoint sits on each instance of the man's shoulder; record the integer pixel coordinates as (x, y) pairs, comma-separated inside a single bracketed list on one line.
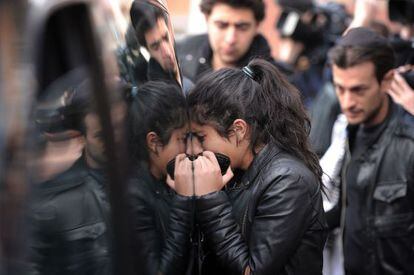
[(61, 195), (403, 124), (72, 178), (193, 54), (191, 43)]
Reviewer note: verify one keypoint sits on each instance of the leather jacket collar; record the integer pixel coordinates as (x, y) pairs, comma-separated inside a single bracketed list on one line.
[(74, 176), (259, 162), (258, 48), (145, 176)]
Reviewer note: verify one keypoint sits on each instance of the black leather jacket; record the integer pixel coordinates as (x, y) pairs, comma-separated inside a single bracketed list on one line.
[(69, 224), (387, 169), (272, 221), (194, 55), (160, 222)]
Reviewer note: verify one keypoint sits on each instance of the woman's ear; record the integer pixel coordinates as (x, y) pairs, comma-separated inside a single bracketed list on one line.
[(240, 129), (152, 142)]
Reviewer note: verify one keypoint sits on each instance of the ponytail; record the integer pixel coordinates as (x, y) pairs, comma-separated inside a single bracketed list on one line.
[(260, 95), (287, 123)]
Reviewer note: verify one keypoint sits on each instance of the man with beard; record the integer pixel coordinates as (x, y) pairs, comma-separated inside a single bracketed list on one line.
[(376, 209)]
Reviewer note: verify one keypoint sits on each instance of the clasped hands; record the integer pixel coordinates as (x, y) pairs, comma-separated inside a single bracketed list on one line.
[(198, 177)]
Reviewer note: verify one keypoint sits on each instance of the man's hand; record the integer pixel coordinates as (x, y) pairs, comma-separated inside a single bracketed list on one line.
[(401, 92)]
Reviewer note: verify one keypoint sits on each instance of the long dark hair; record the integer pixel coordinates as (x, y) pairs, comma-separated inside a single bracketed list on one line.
[(157, 107), (265, 100)]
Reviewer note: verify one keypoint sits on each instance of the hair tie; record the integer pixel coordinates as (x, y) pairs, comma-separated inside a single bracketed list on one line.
[(134, 91), (249, 72)]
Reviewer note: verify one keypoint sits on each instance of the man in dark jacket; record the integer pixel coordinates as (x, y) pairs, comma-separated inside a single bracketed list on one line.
[(232, 39), (377, 211), (69, 216)]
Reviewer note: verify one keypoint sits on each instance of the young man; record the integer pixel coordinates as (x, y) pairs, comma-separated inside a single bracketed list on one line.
[(152, 32), (232, 39), (377, 214)]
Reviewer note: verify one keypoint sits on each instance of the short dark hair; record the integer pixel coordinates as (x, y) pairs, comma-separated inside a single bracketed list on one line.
[(157, 107), (144, 17), (362, 45), (82, 102), (266, 101), (257, 6)]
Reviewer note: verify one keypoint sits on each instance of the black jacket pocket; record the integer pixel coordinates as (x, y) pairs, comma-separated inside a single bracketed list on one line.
[(390, 192)]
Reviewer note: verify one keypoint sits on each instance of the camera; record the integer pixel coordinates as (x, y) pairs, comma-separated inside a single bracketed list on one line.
[(317, 26), (223, 160)]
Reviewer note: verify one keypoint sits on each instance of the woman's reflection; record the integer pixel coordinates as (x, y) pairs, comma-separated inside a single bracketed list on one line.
[(160, 220)]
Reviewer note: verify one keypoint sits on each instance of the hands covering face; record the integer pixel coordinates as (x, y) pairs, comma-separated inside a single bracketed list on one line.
[(198, 177)]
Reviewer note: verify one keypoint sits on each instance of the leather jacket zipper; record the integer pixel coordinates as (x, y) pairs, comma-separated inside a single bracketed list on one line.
[(244, 221)]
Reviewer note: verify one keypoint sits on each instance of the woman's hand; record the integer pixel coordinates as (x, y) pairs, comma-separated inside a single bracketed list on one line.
[(207, 174), (183, 176)]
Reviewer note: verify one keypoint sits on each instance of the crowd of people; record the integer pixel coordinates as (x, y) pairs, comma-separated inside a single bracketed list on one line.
[(227, 174)]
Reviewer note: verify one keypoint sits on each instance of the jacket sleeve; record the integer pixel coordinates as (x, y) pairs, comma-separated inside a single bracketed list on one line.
[(153, 252), (280, 219)]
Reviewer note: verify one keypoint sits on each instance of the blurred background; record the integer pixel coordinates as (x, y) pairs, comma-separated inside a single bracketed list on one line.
[(187, 18)]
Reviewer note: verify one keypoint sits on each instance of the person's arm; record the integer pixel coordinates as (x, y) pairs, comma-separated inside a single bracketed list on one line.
[(282, 215), (364, 13), (152, 253)]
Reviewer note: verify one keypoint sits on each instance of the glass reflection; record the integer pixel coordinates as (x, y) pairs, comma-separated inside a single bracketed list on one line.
[(160, 220), (71, 105), (151, 35), (70, 211)]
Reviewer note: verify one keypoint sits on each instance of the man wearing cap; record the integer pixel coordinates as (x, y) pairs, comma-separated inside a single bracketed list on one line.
[(377, 199), (68, 221)]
